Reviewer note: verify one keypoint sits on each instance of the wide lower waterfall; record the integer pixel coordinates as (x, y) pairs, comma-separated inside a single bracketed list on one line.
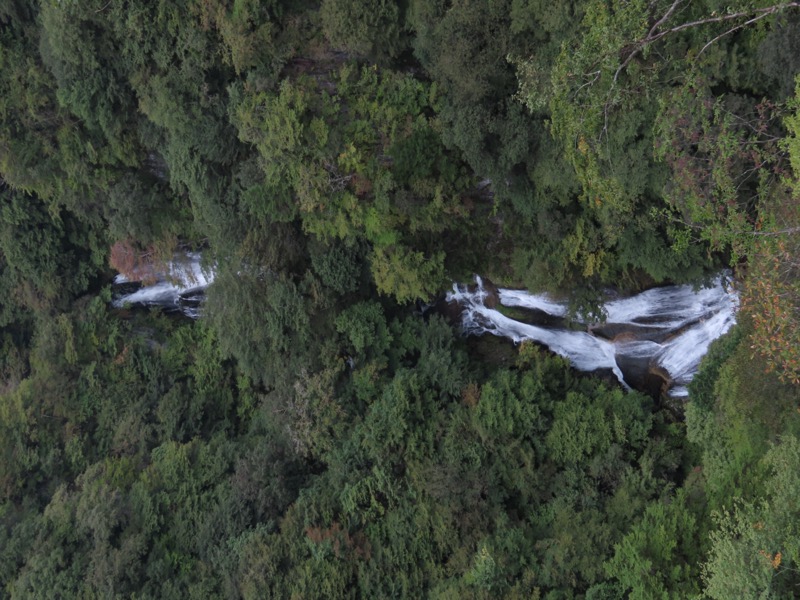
[(668, 329), (180, 288)]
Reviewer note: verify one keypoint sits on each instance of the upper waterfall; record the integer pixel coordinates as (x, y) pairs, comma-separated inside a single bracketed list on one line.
[(179, 288)]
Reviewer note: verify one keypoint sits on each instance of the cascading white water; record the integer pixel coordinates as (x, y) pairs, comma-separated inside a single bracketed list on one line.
[(670, 327), (184, 280)]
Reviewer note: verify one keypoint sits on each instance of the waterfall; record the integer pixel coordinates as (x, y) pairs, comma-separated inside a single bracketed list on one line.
[(180, 288), (668, 328)]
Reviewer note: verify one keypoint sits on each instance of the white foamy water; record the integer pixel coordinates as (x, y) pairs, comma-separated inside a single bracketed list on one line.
[(185, 278), (523, 299), (687, 321), (670, 307)]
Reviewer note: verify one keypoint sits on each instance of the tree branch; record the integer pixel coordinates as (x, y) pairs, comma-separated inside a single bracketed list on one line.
[(731, 30), (654, 35)]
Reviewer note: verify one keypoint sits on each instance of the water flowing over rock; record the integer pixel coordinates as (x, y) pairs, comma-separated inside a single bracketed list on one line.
[(181, 288), (660, 334), (653, 341)]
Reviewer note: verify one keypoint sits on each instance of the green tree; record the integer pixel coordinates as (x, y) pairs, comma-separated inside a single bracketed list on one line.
[(754, 551), (263, 321), (407, 275), (370, 28), (659, 557)]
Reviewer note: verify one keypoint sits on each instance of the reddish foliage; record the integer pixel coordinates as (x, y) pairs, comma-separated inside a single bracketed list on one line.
[(342, 543), (772, 300), (362, 186), (716, 149), (471, 395), (135, 264)]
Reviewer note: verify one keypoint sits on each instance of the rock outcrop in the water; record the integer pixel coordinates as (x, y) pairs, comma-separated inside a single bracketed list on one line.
[(653, 341)]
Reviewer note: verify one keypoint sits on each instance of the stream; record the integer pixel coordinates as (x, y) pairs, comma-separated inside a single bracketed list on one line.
[(662, 332)]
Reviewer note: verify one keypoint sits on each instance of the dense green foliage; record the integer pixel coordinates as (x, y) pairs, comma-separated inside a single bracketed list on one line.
[(314, 436)]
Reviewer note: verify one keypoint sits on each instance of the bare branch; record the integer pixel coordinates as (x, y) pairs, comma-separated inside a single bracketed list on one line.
[(769, 10), (590, 82), (653, 35), (664, 19), (731, 30), (649, 35), (785, 231)]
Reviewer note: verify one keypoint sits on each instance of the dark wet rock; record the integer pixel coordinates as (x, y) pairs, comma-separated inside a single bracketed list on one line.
[(492, 293), (125, 288), (451, 310), (493, 350), (655, 383), (606, 375), (622, 332), (532, 316), (643, 376)]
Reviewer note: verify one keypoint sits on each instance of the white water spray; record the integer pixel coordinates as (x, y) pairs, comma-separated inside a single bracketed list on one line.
[(669, 328)]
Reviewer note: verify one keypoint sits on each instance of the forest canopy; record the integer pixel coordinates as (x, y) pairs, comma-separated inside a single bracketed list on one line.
[(319, 433)]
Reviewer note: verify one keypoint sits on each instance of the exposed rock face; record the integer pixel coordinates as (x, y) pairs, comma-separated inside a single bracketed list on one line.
[(492, 293), (641, 374), (623, 332), (450, 310)]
